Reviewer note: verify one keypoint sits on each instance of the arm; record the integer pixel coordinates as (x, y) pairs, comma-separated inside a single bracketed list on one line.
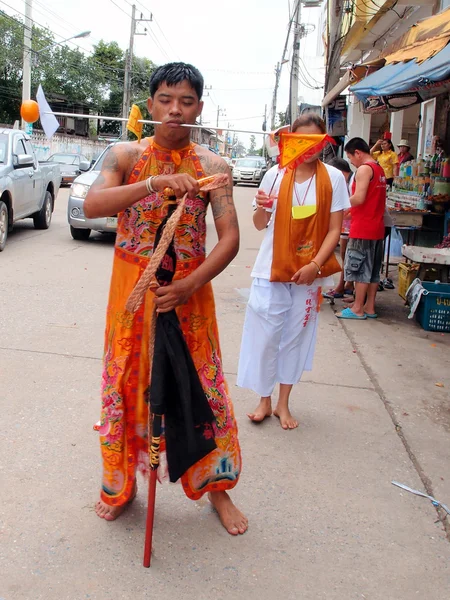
[(109, 194), (396, 164), (261, 216), (362, 179), (307, 274), (332, 238), (225, 250), (376, 147)]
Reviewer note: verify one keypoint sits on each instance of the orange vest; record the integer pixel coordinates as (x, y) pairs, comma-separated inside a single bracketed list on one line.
[(297, 241)]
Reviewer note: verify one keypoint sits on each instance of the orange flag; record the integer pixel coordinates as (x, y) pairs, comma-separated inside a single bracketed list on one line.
[(133, 124), (297, 147)]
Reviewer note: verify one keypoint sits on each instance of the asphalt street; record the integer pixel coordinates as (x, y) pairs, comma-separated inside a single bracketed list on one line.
[(325, 520)]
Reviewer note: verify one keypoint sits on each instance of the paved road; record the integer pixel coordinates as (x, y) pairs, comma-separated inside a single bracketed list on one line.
[(325, 521)]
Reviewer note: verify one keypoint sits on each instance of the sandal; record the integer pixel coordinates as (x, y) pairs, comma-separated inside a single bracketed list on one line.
[(347, 313), (332, 295)]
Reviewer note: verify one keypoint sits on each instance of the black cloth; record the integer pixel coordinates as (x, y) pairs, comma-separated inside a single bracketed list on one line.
[(176, 392)]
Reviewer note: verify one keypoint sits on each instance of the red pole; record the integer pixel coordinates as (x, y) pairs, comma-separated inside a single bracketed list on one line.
[(150, 518)]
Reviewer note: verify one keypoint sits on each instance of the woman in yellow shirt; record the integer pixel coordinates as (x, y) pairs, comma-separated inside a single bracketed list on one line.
[(387, 159)]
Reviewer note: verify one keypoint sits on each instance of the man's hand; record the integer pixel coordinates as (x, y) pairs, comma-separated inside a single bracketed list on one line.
[(168, 297), (306, 275), (181, 183)]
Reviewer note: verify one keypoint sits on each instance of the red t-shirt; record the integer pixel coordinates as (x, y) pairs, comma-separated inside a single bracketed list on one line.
[(368, 218)]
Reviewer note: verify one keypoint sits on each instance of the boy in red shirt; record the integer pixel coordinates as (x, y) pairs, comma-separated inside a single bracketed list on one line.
[(364, 254)]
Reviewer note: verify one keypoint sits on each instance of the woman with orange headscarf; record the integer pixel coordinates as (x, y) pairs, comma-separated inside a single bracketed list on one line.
[(297, 254)]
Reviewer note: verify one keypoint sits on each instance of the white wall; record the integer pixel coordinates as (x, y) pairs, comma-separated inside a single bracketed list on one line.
[(67, 144)]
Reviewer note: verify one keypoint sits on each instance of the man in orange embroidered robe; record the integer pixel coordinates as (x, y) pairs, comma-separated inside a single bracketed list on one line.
[(123, 188)]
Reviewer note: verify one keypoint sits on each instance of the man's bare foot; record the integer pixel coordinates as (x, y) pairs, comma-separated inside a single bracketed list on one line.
[(231, 517), (111, 513), (263, 410), (287, 421)]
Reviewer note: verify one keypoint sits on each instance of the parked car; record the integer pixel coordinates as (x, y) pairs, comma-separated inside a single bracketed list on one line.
[(250, 169), (27, 187), (71, 166), (80, 226)]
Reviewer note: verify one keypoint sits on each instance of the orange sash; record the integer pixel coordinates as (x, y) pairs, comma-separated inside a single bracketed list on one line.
[(297, 241)]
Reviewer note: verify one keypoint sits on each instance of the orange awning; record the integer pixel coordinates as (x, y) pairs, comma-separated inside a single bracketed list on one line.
[(422, 41)]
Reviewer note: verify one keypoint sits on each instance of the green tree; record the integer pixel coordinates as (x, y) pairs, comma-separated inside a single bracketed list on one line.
[(239, 149), (281, 119), (95, 82), (11, 63), (252, 147)]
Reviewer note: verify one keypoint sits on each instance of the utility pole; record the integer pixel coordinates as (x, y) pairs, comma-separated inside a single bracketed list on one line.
[(26, 72), (293, 103), (227, 145), (274, 97), (128, 65), (127, 77), (220, 112), (264, 128)]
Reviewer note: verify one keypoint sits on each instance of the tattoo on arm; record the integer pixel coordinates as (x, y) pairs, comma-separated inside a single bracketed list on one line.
[(111, 162), (213, 164), (222, 203)]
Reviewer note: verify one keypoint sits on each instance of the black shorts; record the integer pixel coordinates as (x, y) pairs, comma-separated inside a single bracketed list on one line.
[(363, 260)]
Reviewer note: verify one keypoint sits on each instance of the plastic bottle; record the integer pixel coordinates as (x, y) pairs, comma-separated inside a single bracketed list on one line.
[(420, 165), (446, 168), (433, 164)]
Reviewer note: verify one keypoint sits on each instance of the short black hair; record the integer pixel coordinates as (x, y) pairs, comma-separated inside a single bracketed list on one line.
[(357, 143), (341, 164), (177, 72)]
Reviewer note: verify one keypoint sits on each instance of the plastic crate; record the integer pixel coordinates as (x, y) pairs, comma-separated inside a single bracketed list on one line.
[(407, 272), (433, 312)]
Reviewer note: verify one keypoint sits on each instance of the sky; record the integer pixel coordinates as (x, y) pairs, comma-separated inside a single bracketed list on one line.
[(236, 44)]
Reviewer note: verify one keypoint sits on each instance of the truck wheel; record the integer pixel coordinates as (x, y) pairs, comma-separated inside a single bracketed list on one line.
[(80, 234), (43, 218), (3, 224)]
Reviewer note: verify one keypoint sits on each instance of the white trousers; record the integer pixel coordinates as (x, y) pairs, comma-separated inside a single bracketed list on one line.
[(279, 336)]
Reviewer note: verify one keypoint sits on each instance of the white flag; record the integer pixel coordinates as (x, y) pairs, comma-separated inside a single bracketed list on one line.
[(48, 120)]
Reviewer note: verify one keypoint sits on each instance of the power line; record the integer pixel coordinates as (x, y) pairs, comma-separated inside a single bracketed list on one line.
[(120, 8)]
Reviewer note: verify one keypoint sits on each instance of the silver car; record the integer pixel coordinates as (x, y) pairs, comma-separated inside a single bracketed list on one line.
[(71, 165), (80, 226), (250, 169)]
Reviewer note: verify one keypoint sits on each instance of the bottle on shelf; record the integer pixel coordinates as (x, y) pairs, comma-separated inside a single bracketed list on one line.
[(446, 168), (433, 164), (420, 165)]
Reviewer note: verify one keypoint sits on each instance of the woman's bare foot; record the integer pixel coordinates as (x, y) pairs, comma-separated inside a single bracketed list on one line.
[(111, 513), (287, 421), (263, 410), (231, 517)]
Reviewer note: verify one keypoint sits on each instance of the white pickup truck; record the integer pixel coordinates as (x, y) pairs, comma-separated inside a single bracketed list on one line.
[(27, 188)]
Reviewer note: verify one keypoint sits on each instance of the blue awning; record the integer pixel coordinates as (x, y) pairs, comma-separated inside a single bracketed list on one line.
[(403, 77)]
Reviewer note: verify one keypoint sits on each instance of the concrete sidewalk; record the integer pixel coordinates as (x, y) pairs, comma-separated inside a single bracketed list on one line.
[(325, 520)]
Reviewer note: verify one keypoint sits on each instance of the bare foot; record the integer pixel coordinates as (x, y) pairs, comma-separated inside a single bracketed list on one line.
[(111, 513), (287, 421), (231, 517), (263, 410)]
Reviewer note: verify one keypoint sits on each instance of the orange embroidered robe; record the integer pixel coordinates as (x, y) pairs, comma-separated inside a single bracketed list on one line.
[(123, 428)]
